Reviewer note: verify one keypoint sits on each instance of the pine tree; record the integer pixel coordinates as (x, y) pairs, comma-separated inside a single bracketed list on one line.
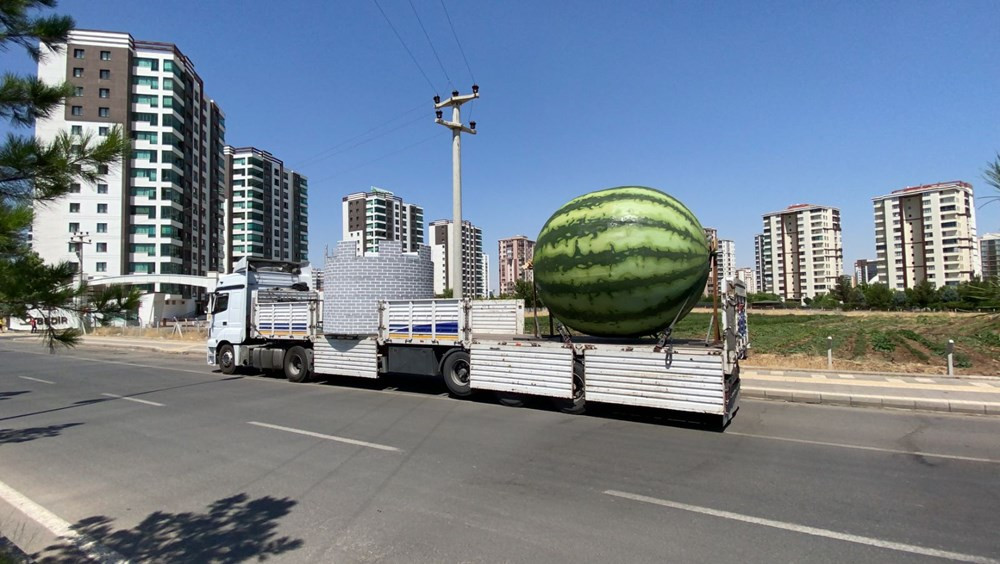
[(34, 172)]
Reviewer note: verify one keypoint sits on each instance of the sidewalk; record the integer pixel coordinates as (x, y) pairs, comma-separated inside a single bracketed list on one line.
[(132, 343), (964, 394)]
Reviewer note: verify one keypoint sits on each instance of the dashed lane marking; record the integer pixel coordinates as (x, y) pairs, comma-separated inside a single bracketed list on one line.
[(327, 437), (35, 379), (137, 400)]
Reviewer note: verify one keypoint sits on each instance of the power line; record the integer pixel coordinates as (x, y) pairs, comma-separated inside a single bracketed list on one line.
[(455, 35), (429, 42), (327, 154), (376, 159), (358, 136), (403, 43)]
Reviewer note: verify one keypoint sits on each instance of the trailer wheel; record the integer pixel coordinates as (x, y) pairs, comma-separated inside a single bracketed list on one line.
[(297, 365), (578, 404), (456, 369), (227, 359)]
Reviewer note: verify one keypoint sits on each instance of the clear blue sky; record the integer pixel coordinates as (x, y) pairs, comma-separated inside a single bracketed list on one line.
[(735, 108)]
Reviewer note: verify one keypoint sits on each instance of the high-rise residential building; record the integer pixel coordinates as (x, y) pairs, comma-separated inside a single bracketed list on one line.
[(865, 272), (762, 262), (989, 253), (161, 211), (514, 254), (486, 275), (473, 281), (267, 214), (927, 233), (380, 215), (749, 278), (802, 251), (725, 257)]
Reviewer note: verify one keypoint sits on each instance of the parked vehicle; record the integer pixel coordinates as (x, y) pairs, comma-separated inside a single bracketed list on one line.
[(264, 316)]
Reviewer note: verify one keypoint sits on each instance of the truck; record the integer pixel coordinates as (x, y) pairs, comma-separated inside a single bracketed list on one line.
[(264, 316)]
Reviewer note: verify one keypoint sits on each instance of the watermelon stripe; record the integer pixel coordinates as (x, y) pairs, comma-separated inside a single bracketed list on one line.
[(573, 229), (614, 286), (612, 257), (594, 200), (637, 318)]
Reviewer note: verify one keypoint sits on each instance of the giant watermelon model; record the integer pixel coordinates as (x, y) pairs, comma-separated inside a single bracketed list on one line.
[(621, 262)]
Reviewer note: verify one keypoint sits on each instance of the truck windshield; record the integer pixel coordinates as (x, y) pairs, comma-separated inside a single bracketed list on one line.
[(221, 302)]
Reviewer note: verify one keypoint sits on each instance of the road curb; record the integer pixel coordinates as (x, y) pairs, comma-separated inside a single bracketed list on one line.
[(135, 347), (765, 370), (964, 407)]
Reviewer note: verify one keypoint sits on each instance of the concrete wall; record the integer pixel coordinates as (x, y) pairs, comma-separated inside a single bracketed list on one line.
[(352, 284)]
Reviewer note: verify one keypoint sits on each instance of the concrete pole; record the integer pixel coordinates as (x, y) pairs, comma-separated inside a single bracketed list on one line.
[(951, 357), (829, 352), (456, 205)]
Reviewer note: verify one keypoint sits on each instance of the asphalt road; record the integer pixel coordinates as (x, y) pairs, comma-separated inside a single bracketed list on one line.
[(156, 457)]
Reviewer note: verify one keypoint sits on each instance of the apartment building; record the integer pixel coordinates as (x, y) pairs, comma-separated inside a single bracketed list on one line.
[(989, 253), (380, 215), (928, 233), (161, 211), (267, 213), (514, 254), (801, 251), (762, 262), (865, 272), (749, 278), (725, 257), (474, 283)]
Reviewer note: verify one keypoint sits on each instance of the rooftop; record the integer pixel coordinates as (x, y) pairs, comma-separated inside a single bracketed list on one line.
[(951, 184)]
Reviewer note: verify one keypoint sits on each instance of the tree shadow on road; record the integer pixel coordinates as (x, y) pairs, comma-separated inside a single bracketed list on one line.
[(8, 395), (9, 436), (233, 529)]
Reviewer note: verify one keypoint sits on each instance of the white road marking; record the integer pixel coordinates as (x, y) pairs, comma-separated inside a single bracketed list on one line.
[(327, 437), (895, 380), (819, 376), (847, 376), (866, 383), (870, 448), (980, 384), (137, 400), (806, 530), (35, 379), (58, 526), (925, 380)]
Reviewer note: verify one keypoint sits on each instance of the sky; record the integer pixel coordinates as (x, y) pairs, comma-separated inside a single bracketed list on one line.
[(735, 108)]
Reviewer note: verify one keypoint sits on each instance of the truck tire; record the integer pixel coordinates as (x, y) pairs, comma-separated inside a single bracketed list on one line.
[(509, 399), (297, 367), (226, 357), (577, 405), (456, 368)]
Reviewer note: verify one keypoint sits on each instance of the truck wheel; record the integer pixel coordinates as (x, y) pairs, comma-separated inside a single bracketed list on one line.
[(297, 365), (455, 369), (578, 404), (227, 359), (509, 399)]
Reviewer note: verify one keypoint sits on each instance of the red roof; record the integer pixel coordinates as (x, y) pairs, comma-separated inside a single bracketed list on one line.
[(931, 186)]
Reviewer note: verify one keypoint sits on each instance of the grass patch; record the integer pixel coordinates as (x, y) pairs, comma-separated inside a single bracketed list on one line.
[(883, 342)]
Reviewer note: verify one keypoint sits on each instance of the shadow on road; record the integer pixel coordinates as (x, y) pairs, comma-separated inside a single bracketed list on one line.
[(8, 395), (233, 529), (9, 436)]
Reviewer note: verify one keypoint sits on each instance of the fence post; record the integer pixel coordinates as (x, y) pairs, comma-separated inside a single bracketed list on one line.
[(951, 357), (829, 352)]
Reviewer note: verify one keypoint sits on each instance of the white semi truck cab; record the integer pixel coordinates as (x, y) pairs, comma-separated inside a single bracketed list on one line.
[(264, 316)]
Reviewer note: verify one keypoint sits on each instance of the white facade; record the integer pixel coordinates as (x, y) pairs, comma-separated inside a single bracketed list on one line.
[(379, 215), (801, 251), (727, 259), (474, 278), (159, 211), (927, 233), (989, 252), (762, 266)]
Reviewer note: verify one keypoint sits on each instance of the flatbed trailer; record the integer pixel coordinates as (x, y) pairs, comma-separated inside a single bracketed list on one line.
[(270, 322)]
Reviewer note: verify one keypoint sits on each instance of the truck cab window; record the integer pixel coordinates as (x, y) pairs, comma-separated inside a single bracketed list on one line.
[(221, 303)]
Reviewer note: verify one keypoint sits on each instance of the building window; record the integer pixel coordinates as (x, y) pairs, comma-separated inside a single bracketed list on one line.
[(76, 130), (74, 207), (105, 74), (105, 55), (101, 247), (74, 188), (74, 227), (72, 248), (77, 91), (102, 227), (102, 267), (102, 208), (102, 188), (103, 112), (77, 72), (77, 53), (77, 110), (102, 131), (104, 93), (102, 169)]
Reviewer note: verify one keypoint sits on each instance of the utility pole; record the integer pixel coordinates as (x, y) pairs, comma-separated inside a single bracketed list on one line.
[(456, 127), (81, 238)]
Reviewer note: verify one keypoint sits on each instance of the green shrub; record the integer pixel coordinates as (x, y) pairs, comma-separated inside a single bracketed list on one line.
[(883, 342)]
